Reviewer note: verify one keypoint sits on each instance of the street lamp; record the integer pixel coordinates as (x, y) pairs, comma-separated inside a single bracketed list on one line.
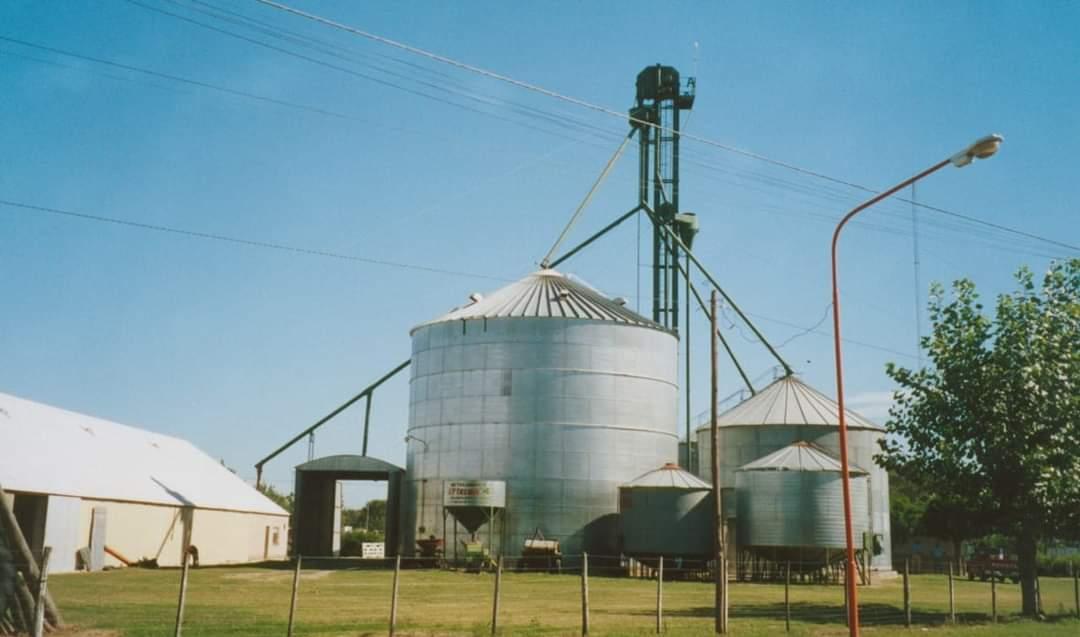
[(981, 149)]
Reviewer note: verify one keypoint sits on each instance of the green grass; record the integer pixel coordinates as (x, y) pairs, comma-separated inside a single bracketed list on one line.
[(255, 601)]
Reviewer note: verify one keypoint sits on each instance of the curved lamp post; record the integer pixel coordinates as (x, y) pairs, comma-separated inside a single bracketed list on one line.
[(981, 149)]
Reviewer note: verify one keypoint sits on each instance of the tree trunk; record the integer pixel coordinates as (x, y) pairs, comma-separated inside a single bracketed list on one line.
[(1026, 548)]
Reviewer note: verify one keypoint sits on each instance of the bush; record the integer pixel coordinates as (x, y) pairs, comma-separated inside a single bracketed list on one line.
[(1058, 566)]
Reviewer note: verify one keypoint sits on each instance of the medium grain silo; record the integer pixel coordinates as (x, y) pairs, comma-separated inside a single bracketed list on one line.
[(553, 389), (788, 411), (790, 508), (666, 512)]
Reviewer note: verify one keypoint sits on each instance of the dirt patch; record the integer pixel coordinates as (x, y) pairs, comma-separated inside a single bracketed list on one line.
[(75, 631), (275, 576)]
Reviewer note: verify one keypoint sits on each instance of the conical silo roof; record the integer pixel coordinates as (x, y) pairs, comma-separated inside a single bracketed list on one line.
[(799, 456), (669, 476), (789, 401), (545, 294)]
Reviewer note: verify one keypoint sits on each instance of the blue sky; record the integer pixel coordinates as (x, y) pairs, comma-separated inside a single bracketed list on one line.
[(238, 347)]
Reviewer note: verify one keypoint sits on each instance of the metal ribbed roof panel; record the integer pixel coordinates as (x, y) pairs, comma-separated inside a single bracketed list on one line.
[(789, 401), (799, 456), (669, 476), (546, 294), (44, 449)]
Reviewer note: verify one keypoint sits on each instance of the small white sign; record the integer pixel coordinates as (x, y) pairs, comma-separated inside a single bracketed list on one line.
[(373, 550)]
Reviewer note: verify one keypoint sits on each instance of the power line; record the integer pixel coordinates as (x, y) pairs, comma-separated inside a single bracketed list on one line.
[(197, 234), (465, 94), (184, 80), (623, 116)]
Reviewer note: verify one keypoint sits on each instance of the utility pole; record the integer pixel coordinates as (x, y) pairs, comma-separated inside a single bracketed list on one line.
[(721, 562)]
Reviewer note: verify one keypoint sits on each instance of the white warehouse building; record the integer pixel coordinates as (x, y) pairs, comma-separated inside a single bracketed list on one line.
[(101, 493)]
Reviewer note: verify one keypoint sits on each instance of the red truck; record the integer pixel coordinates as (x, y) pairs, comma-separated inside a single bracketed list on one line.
[(995, 564)]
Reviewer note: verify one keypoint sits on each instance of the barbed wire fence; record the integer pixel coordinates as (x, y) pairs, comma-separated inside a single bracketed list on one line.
[(790, 595)]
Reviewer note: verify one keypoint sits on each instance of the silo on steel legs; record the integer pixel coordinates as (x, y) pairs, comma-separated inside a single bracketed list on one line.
[(552, 388)]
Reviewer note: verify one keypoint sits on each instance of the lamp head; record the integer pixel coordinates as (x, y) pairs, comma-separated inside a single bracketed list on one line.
[(982, 148)]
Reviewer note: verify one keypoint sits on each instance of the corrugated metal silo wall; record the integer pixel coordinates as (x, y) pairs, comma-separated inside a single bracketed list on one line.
[(742, 444), (563, 410), (797, 508), (665, 521)]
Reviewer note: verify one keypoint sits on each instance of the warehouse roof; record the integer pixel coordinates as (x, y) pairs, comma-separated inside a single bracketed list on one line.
[(789, 401), (45, 449), (669, 476), (799, 456), (545, 294)]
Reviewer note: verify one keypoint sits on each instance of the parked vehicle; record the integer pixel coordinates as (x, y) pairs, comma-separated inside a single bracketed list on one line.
[(995, 564)]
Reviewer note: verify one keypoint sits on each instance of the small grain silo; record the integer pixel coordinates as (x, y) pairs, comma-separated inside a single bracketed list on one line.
[(666, 512), (790, 508), (551, 388), (788, 411)]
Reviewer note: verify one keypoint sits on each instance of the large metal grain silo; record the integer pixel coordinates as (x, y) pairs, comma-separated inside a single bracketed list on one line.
[(550, 387), (667, 512), (787, 411)]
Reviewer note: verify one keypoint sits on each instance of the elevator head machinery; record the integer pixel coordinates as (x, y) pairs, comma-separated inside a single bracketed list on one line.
[(655, 115)]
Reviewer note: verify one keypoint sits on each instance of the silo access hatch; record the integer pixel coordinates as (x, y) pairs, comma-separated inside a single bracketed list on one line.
[(474, 504)]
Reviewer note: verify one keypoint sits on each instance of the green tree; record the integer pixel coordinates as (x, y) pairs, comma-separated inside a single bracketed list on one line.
[(907, 508), (994, 421), (371, 516), (280, 499)]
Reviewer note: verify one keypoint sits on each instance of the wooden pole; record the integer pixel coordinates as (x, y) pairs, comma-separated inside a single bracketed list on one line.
[(394, 595), (183, 596), (993, 598), (24, 555), (295, 592), (1038, 595), (498, 586), (660, 597), (787, 598), (847, 617), (952, 596), (584, 593), (1076, 590), (907, 593), (42, 592), (720, 575), (24, 602)]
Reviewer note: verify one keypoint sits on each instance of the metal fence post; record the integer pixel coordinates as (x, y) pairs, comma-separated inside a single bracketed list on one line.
[(660, 597), (787, 598), (394, 595), (295, 591), (498, 586), (584, 593), (183, 597), (993, 598), (952, 596), (42, 592)]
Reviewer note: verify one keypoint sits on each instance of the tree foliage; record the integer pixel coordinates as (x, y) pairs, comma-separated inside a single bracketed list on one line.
[(371, 516), (993, 423), (284, 501)]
